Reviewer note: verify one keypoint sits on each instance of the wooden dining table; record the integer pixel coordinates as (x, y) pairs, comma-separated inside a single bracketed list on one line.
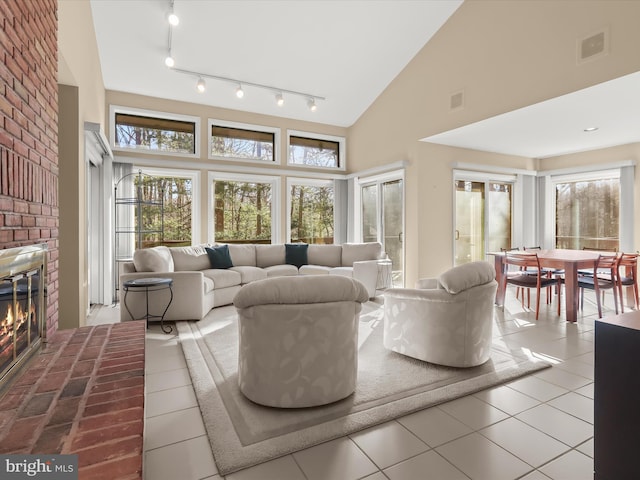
[(568, 260)]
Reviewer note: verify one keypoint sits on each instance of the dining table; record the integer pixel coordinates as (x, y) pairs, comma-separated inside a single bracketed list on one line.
[(562, 259)]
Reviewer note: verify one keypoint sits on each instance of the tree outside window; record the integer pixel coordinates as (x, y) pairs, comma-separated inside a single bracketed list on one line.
[(242, 212), (311, 213), (588, 214)]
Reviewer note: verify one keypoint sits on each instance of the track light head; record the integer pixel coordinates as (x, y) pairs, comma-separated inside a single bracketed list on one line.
[(173, 19), (279, 99), (311, 103), (239, 91), (201, 85), (169, 61)]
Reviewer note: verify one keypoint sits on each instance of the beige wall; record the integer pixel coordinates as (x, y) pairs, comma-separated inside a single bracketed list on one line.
[(504, 55), (205, 112), (79, 68)]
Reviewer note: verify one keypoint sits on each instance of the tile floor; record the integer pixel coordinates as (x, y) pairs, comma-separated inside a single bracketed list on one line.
[(536, 428)]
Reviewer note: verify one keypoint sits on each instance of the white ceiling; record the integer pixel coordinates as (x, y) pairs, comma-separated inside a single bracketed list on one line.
[(347, 51), (556, 126)]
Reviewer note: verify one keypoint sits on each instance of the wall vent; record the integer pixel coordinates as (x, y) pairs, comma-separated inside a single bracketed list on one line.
[(456, 102), (594, 46)]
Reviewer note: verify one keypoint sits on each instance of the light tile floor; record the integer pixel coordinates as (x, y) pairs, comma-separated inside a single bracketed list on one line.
[(537, 428)]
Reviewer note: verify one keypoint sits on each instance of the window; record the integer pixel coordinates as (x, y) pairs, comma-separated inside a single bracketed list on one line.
[(312, 150), (242, 209), (177, 189), (154, 132), (311, 211), (235, 141), (588, 212)]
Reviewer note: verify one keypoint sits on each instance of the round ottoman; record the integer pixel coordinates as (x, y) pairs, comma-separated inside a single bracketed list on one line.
[(298, 339)]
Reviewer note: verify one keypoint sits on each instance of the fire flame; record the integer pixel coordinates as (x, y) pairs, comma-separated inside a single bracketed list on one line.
[(7, 326)]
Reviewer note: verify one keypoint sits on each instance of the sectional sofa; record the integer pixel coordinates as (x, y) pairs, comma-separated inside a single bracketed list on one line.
[(197, 287)]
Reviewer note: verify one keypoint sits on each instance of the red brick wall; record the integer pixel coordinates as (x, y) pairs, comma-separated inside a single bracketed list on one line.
[(29, 132)]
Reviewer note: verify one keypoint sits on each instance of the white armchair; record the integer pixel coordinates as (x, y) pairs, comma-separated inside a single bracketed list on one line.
[(446, 320)]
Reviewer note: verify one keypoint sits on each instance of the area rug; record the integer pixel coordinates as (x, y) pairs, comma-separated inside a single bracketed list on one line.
[(389, 385)]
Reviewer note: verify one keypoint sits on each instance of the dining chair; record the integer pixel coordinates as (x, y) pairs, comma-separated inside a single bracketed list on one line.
[(603, 277), (512, 249), (628, 276), (550, 271), (523, 278)]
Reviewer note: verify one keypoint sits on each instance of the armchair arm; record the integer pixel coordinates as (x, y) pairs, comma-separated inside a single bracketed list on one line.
[(366, 271)]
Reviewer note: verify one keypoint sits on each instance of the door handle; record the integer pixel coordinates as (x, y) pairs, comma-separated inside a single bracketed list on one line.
[(400, 237), (457, 237)]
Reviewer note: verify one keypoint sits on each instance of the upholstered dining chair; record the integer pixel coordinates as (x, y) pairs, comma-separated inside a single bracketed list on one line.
[(628, 277), (602, 277), (446, 320), (531, 275)]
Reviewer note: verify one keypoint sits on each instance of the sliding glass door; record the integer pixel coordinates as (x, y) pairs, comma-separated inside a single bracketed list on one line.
[(482, 219), (383, 220)]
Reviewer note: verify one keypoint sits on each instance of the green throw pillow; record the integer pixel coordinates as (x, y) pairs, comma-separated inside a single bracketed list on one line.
[(219, 256), (296, 254)]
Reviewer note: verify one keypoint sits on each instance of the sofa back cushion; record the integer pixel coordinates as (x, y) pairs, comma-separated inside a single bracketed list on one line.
[(463, 277), (190, 258), (357, 252), (325, 255), (269, 255), (243, 255), (155, 259)]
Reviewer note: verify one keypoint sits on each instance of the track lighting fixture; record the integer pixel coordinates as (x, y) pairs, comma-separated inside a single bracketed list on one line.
[(201, 86), (172, 17)]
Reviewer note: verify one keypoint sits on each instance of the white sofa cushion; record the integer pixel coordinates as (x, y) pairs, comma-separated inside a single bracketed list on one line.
[(223, 277), (155, 259), (326, 255), (250, 274), (356, 252), (269, 255), (242, 255), (468, 275), (314, 270), (190, 258), (281, 271)]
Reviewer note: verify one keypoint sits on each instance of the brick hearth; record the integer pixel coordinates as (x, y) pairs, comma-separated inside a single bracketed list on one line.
[(82, 394)]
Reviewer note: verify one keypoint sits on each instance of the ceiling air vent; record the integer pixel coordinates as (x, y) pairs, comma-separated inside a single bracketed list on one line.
[(456, 102), (593, 46)]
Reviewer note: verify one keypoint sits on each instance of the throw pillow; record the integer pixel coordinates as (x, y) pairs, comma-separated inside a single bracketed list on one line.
[(219, 256), (296, 254)]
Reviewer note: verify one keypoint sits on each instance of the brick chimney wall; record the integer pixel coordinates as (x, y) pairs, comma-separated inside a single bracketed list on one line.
[(29, 133)]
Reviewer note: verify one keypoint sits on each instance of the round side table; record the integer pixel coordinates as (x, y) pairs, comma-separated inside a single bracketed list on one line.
[(146, 285)]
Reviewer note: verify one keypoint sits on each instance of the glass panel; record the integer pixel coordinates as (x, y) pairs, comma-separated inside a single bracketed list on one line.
[(239, 143), (242, 212), (177, 211), (392, 226), (311, 214), (314, 152), (587, 214), (157, 134), (370, 213), (469, 239), (499, 216)]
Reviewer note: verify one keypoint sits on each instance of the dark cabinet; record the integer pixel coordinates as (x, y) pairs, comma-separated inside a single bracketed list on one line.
[(617, 398)]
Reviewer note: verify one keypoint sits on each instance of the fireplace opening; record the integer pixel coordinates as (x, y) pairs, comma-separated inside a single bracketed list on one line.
[(22, 328)]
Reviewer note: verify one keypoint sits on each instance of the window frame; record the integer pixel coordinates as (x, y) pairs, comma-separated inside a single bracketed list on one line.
[(588, 176), (276, 202), (192, 175), (307, 182), (114, 109), (244, 126), (342, 157)]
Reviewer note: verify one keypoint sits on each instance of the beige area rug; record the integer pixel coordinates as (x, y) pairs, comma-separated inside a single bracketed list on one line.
[(390, 385)]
